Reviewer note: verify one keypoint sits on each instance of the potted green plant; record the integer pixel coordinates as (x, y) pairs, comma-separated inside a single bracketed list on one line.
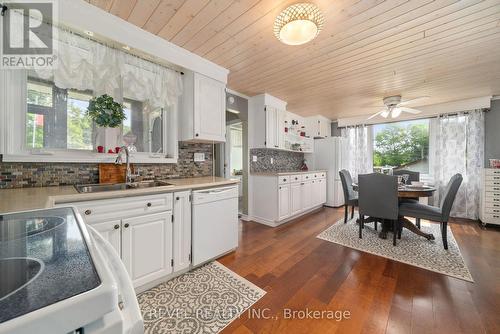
[(106, 113)]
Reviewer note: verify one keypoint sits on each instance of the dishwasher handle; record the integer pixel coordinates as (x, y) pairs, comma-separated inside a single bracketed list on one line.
[(215, 191)]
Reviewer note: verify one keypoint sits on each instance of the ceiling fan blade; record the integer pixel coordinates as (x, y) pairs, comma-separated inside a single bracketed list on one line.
[(405, 102), (376, 114), (410, 110), (379, 106)]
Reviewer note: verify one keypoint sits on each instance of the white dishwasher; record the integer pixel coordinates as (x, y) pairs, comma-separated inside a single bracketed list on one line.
[(215, 223)]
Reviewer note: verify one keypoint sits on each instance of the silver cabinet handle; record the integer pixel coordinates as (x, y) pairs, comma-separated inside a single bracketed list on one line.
[(88, 212), (126, 225), (116, 226)]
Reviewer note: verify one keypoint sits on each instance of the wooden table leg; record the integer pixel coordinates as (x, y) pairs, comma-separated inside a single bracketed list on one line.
[(410, 226)]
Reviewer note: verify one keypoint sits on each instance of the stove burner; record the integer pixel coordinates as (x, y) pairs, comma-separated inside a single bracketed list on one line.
[(16, 273), (12, 229)]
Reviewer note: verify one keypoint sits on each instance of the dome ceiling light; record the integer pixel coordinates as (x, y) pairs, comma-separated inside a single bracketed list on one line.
[(298, 24)]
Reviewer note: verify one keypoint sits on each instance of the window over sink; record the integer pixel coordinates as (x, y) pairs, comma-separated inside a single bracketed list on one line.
[(43, 113)]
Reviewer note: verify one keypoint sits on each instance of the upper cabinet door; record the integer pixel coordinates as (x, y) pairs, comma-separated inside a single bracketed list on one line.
[(203, 114), (147, 247), (271, 127), (209, 109)]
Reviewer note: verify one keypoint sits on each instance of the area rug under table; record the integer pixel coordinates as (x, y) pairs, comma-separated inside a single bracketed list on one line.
[(410, 249), (204, 300)]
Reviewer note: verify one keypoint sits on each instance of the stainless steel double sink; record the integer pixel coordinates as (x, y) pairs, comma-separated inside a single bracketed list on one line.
[(94, 188)]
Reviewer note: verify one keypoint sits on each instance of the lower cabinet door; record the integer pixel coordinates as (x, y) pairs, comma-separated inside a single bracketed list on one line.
[(182, 230), (147, 247), (111, 232), (322, 190), (284, 201), (295, 198), (306, 195)]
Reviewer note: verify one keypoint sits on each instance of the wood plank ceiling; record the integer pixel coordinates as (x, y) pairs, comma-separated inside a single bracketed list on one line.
[(445, 49)]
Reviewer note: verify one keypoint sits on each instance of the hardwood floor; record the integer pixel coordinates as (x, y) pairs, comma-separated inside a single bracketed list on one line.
[(300, 271)]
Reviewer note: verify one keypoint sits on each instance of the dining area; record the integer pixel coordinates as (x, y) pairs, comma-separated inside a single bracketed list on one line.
[(391, 199), (388, 215)]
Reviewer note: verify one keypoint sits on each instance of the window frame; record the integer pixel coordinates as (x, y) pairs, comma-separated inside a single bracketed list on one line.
[(13, 148)]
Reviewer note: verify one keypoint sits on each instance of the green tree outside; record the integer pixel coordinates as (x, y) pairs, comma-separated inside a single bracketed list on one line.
[(400, 144)]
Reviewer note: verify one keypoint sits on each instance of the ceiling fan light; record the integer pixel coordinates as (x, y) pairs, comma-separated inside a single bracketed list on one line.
[(384, 114), (298, 24), (396, 112)]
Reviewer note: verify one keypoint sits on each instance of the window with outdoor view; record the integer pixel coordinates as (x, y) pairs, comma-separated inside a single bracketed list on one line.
[(401, 145), (57, 119)]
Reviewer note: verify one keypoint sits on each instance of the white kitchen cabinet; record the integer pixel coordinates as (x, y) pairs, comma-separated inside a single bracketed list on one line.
[(319, 127), (271, 127), (280, 198), (322, 190), (203, 115), (284, 201), (147, 247), (182, 230), (295, 198), (111, 231), (307, 193)]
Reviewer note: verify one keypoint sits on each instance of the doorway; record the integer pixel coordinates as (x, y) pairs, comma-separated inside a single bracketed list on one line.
[(231, 157)]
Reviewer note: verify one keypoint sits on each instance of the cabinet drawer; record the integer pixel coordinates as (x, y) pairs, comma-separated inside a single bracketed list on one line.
[(493, 218), (295, 178), (492, 172), (101, 210), (488, 184), (493, 211), (491, 178), (284, 179), (307, 177)]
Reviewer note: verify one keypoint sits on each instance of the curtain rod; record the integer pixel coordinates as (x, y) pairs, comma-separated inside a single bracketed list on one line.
[(416, 119)]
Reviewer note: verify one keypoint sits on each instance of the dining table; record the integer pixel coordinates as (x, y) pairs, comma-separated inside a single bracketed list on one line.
[(405, 192)]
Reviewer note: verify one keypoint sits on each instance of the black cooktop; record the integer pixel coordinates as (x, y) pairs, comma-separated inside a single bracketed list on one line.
[(43, 259)]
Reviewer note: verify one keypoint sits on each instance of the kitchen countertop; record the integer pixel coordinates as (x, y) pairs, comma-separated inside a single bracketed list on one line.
[(288, 173), (21, 199)]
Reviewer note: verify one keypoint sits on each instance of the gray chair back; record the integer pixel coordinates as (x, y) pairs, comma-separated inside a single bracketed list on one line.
[(378, 195), (414, 176), (449, 196), (346, 179)]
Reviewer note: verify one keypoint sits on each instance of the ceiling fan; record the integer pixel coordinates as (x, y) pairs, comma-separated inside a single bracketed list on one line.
[(394, 107)]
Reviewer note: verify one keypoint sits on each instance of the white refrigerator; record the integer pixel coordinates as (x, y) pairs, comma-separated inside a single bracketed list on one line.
[(330, 154)]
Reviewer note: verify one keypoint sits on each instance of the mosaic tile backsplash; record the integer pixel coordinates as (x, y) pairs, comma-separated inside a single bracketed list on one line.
[(24, 175), (283, 161)]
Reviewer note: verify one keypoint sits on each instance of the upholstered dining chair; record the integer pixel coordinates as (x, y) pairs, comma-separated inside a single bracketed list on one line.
[(413, 176), (350, 196), (378, 198), (439, 214)]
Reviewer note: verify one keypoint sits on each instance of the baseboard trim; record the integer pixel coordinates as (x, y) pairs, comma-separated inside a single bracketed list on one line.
[(271, 223)]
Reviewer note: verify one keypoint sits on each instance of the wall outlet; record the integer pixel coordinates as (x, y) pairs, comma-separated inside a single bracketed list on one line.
[(199, 157), (254, 158), (272, 161)]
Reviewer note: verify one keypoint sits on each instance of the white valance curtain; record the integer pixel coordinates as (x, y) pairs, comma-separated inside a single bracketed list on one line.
[(457, 146), (359, 154), (83, 64)]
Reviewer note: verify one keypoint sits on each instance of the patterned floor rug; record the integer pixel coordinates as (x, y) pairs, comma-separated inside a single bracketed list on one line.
[(204, 300), (410, 249)]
